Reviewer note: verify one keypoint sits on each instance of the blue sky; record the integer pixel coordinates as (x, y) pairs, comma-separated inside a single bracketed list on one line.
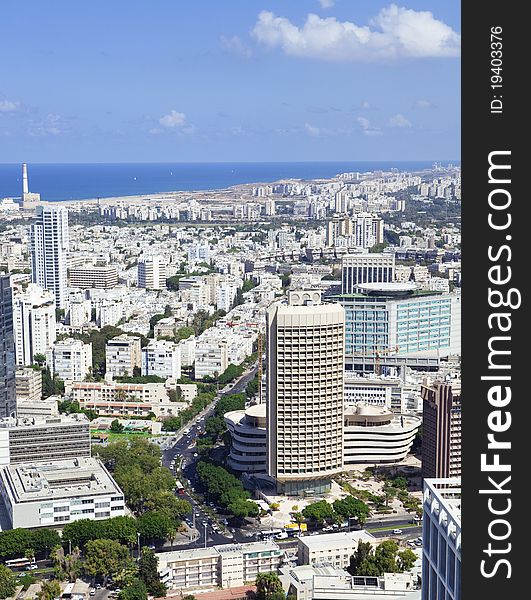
[(229, 80)]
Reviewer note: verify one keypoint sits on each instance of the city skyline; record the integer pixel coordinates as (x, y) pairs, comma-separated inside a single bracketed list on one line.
[(242, 81)]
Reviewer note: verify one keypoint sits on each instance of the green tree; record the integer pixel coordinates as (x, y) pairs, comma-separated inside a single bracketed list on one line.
[(66, 566), (242, 508), (13, 543), (229, 403), (43, 540), (166, 502), (269, 587), (50, 589), (400, 483), (135, 590), (352, 507), (39, 359), (154, 525), (406, 559), (184, 333), (252, 388), (319, 511), (106, 558), (116, 426), (148, 573), (215, 427), (8, 582), (230, 374)]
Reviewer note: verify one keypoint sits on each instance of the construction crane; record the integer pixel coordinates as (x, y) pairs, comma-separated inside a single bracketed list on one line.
[(380, 353)]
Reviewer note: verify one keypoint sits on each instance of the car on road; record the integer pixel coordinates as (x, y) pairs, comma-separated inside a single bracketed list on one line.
[(397, 531), (32, 567), (196, 455), (92, 592)]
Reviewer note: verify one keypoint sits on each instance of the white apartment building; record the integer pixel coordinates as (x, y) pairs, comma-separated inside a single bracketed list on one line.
[(49, 242), (332, 549), (441, 539), (187, 350), (70, 359), (122, 355), (211, 357), (28, 384), (161, 358), (59, 492), (225, 296), (78, 312), (109, 313), (40, 409), (152, 273), (305, 341), (225, 566), (124, 399), (33, 323)]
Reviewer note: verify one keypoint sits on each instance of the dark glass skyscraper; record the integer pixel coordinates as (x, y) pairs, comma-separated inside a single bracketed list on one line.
[(7, 350)]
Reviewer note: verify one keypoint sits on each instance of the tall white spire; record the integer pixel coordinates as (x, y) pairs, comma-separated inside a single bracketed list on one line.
[(25, 188)]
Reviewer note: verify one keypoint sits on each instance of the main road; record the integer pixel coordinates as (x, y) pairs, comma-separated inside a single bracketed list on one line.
[(184, 450)]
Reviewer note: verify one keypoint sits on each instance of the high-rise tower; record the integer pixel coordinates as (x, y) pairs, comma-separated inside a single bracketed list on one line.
[(305, 393), (7, 350), (49, 249)]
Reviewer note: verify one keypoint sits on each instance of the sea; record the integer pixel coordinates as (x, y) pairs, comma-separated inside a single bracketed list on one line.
[(60, 182)]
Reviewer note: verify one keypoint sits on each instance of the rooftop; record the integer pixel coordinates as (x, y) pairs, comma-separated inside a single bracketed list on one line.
[(59, 479), (335, 540)]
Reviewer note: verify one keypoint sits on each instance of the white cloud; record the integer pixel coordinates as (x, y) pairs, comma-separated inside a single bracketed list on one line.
[(155, 130), (173, 119), (50, 125), (8, 106), (367, 128), (399, 120), (394, 33), (424, 104), (311, 130), (234, 45), (326, 3)]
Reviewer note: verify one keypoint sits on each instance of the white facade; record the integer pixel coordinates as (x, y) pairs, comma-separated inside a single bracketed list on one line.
[(34, 323), (187, 350), (122, 355), (161, 358), (441, 539), (70, 359), (225, 296), (374, 435), (305, 392), (59, 492), (366, 268), (211, 357), (332, 549), (225, 566), (49, 242), (151, 273), (124, 399)]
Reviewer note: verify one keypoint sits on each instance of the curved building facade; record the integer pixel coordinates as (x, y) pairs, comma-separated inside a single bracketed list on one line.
[(248, 452), (375, 435)]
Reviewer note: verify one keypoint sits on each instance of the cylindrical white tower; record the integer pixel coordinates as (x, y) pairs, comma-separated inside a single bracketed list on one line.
[(305, 393), (25, 188)]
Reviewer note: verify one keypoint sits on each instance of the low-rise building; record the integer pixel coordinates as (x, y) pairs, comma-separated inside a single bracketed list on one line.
[(35, 409), (123, 399), (211, 357), (373, 434), (327, 583), (59, 492), (226, 566), (41, 439), (333, 549)]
